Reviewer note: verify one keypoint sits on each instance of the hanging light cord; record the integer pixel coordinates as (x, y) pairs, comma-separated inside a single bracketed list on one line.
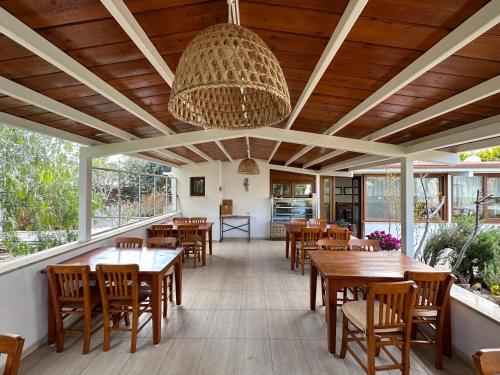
[(248, 148), (233, 12)]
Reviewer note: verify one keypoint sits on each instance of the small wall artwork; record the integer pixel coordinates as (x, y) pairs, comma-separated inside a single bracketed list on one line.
[(197, 186)]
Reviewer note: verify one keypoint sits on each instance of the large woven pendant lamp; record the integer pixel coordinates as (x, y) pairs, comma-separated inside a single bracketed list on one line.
[(228, 78), (248, 165)]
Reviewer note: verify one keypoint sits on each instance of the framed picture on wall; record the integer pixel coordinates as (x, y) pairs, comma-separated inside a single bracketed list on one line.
[(197, 186), (338, 191)]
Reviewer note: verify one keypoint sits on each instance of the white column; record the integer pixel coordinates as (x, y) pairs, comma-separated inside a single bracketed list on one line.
[(318, 194), (407, 224), (449, 202), (85, 197)]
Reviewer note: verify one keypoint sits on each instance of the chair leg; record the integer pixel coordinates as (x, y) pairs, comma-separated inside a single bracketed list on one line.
[(133, 338), (405, 356), (105, 342), (345, 330), (171, 288), (126, 317), (438, 346), (87, 331), (59, 336), (302, 261), (165, 295), (195, 258), (370, 354)]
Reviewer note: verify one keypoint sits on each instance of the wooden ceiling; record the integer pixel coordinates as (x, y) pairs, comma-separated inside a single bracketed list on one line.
[(387, 37)]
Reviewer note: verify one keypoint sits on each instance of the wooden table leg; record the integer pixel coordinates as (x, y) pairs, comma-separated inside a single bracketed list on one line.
[(287, 246), (292, 249), (331, 313), (210, 240), (204, 249), (313, 285), (51, 320), (156, 280), (178, 281)]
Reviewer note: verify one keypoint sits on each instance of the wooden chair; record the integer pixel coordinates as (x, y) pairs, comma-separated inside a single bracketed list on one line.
[(433, 298), (161, 230), (364, 245), (308, 241), (168, 277), (384, 319), (336, 233), (128, 242), (190, 241), (198, 220), (12, 346), (181, 220), (317, 222), (73, 295), (121, 295), (487, 361), (329, 244)]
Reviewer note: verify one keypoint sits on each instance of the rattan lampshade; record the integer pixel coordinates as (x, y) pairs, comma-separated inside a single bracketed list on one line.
[(228, 78), (248, 166)]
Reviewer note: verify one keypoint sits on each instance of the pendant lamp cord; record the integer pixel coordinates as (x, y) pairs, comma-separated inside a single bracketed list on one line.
[(233, 12), (248, 148)]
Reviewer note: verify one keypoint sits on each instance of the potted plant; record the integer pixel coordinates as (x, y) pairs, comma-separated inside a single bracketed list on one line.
[(386, 240)]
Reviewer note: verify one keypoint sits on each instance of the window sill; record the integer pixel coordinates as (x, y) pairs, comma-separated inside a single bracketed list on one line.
[(28, 260), (480, 305)]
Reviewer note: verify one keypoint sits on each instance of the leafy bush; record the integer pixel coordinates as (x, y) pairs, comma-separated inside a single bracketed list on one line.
[(491, 271)]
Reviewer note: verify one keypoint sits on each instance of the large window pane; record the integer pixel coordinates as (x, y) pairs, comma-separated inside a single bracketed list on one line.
[(147, 196), (129, 198), (160, 195), (465, 193), (171, 194), (433, 192), (382, 198), (493, 188), (105, 200)]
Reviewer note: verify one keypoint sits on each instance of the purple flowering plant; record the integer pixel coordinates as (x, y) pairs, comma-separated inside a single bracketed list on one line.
[(386, 240)]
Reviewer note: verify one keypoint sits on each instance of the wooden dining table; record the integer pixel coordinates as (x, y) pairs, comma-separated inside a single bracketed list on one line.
[(341, 269), (153, 264), (205, 230)]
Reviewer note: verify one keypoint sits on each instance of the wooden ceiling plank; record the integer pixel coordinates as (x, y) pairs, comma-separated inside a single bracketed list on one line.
[(198, 152), (224, 150), (487, 17), (349, 17), (30, 39)]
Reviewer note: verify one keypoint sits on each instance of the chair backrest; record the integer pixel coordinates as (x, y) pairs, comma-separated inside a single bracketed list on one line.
[(395, 302), (364, 245), (336, 233), (198, 220), (128, 242), (188, 233), (165, 242), (161, 230), (69, 284), (12, 345), (309, 237), (329, 244), (433, 291), (487, 361), (319, 222), (181, 220), (118, 283), (299, 221)]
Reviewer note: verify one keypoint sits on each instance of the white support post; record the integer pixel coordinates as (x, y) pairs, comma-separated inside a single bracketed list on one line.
[(317, 189), (85, 197), (449, 183), (407, 221)]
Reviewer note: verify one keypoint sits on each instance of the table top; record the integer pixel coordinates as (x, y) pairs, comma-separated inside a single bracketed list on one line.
[(150, 260), (204, 226), (366, 264), (295, 228), (234, 216)]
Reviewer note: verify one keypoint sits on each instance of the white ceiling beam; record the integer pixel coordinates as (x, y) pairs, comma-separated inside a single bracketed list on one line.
[(32, 97), (483, 20), (299, 154), (478, 92), (311, 172), (477, 145), (129, 24), (274, 134), (22, 123), (200, 153), (34, 42), (351, 14), (224, 150)]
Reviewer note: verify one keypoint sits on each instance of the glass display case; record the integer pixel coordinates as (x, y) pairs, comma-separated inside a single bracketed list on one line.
[(284, 209)]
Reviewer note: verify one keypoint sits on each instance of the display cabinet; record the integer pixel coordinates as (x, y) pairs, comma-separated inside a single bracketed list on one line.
[(284, 209)]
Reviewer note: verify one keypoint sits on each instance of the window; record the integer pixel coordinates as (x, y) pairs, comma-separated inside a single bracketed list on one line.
[(382, 197), (493, 188), (465, 193), (126, 190)]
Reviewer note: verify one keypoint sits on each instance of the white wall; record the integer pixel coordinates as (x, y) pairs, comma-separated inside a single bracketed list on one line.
[(255, 202), (23, 294)]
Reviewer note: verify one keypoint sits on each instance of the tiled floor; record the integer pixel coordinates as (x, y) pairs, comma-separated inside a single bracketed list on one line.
[(244, 313)]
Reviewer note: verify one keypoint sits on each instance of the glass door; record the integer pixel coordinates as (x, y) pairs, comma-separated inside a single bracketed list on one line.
[(347, 203)]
